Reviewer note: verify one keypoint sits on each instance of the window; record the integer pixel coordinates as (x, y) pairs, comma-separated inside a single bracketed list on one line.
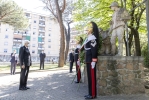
[(33, 51), (5, 43), (5, 50), (49, 46), (49, 40), (6, 36), (33, 33), (33, 45), (34, 21), (34, 39)]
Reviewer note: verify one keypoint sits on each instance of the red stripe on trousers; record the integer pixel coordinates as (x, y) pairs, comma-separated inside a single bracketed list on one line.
[(93, 81), (78, 73)]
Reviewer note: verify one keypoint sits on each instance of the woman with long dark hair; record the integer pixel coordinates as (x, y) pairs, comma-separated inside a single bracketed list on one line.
[(91, 51)]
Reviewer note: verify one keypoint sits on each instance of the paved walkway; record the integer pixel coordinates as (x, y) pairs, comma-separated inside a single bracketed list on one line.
[(51, 85)]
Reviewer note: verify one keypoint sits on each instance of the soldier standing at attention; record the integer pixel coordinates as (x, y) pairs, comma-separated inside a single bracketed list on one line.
[(91, 51)]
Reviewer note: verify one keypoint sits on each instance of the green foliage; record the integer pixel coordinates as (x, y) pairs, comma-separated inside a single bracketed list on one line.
[(82, 53), (100, 12), (12, 14), (145, 54)]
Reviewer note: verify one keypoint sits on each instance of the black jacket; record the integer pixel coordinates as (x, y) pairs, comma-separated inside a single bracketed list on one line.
[(71, 57), (24, 56), (91, 51), (76, 54), (13, 59), (42, 56)]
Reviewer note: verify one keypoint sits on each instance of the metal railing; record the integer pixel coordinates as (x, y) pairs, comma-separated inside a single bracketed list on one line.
[(7, 58)]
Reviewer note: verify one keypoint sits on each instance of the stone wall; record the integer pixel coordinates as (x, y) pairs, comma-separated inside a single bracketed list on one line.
[(120, 75)]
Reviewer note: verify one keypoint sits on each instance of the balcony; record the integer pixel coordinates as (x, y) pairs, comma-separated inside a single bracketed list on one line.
[(40, 48), (41, 30), (15, 32), (18, 36), (40, 42), (41, 36), (42, 25), (15, 47), (24, 34), (15, 40), (42, 19)]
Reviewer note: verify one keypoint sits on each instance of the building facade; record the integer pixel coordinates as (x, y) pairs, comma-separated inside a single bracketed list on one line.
[(43, 33)]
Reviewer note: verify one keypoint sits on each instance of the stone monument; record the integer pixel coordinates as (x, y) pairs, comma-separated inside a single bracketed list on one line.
[(119, 18), (106, 44)]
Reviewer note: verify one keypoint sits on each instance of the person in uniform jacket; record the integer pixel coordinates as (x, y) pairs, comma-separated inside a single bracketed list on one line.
[(42, 57), (76, 59), (13, 62), (71, 60), (91, 51), (25, 63)]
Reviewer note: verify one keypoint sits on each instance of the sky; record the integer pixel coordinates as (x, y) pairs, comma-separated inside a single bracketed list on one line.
[(32, 5)]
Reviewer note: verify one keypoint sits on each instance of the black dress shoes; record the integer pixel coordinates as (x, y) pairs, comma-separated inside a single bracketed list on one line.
[(88, 97), (27, 87), (76, 82), (22, 88)]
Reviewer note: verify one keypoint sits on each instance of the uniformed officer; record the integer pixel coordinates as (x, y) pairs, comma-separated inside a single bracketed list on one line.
[(71, 60), (76, 59), (91, 51)]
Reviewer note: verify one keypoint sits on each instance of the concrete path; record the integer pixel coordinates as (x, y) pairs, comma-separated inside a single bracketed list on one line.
[(51, 85)]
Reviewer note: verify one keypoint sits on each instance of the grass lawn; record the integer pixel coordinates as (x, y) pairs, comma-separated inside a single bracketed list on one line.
[(6, 68)]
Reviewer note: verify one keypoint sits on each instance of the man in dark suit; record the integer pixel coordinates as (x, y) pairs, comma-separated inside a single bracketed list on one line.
[(71, 60), (42, 57), (13, 62), (25, 63)]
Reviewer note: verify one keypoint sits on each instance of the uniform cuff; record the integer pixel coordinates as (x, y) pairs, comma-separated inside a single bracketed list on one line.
[(94, 59)]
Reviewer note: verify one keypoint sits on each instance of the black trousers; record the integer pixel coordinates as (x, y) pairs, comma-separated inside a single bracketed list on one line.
[(24, 76), (71, 66), (41, 64), (91, 73), (78, 71), (13, 67)]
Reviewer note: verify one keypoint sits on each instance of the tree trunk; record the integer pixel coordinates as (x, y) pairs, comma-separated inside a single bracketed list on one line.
[(130, 43), (62, 40), (137, 43), (67, 36)]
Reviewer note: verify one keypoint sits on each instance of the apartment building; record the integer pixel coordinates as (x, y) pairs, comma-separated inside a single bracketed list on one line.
[(43, 33), (72, 44)]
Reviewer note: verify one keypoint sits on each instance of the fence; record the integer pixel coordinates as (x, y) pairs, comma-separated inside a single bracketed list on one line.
[(7, 58)]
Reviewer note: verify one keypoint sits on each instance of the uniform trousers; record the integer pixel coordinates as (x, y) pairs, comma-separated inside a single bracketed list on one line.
[(78, 70), (91, 73)]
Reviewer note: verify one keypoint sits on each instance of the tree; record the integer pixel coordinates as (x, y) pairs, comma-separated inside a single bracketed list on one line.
[(12, 14), (68, 20), (57, 8), (100, 12)]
